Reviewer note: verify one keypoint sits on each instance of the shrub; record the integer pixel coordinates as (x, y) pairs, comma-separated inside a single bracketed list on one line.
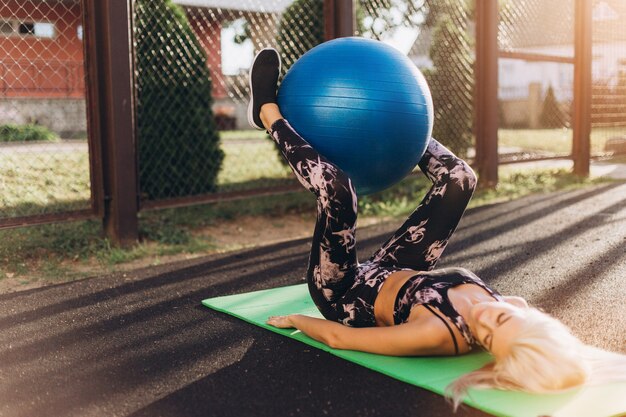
[(451, 85), (26, 133), (551, 114), (301, 28), (179, 153)]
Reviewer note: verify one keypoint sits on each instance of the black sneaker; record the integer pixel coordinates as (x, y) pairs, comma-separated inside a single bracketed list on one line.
[(263, 79)]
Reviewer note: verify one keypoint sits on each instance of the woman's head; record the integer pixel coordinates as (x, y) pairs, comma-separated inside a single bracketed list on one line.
[(537, 353), (532, 351), (495, 325)]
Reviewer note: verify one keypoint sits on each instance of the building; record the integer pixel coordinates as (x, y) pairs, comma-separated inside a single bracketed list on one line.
[(215, 23), (42, 66), (547, 28)]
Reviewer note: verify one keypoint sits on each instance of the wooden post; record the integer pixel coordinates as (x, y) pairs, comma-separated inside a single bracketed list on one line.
[(581, 146), (487, 92), (111, 121), (338, 18)]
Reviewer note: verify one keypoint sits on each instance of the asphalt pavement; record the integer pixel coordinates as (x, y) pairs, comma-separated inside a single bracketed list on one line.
[(140, 343)]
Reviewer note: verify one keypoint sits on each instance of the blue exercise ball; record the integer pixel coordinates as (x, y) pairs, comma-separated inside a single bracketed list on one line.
[(363, 105)]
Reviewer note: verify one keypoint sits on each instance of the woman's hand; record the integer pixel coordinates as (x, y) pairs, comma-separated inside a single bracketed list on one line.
[(282, 322)]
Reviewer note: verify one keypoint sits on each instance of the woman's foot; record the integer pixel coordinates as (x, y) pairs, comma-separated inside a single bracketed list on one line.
[(263, 80)]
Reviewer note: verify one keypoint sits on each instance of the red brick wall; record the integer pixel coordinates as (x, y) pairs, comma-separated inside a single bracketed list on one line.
[(41, 67), (209, 35)]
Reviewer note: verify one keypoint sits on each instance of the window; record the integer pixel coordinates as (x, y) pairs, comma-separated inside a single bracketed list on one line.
[(237, 48), (43, 29), (6, 28), (27, 28)]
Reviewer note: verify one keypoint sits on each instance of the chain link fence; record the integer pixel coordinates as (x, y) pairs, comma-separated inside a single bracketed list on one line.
[(44, 161), (191, 70), (536, 76), (438, 36), (536, 79), (192, 59), (608, 98), (226, 35)]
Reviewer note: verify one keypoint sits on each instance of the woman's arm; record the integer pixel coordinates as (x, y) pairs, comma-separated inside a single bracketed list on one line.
[(319, 329), (409, 339)]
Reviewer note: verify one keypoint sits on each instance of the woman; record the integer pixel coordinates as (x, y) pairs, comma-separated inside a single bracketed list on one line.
[(396, 303)]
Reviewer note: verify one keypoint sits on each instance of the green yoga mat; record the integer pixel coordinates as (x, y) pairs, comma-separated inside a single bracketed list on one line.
[(431, 373)]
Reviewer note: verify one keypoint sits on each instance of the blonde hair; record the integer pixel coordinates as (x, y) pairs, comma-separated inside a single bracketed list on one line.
[(544, 357)]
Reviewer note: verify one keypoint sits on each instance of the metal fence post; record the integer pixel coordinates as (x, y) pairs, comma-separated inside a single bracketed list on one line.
[(581, 146), (110, 97), (487, 91), (338, 18)]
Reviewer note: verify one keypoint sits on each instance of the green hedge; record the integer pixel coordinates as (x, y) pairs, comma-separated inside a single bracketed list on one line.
[(26, 133), (179, 149), (551, 114), (450, 85), (301, 28)]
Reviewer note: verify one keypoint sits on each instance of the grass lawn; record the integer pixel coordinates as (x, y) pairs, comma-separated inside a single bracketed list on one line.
[(234, 135), (558, 141), (47, 182), (248, 161), (36, 183)]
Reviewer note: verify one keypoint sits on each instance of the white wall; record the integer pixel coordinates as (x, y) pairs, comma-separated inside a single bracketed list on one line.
[(516, 75)]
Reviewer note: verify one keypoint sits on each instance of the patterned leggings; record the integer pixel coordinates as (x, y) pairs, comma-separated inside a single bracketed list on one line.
[(335, 278)]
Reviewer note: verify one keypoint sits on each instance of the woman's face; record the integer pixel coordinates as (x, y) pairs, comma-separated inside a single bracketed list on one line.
[(495, 324)]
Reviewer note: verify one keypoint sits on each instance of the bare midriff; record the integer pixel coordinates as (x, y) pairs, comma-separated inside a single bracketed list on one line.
[(386, 299)]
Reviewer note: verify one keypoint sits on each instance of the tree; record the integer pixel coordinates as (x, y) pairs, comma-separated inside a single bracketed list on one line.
[(451, 83), (376, 17), (301, 28), (179, 153), (450, 80), (551, 113)]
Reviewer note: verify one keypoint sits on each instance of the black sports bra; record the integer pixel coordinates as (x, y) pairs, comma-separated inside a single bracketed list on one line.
[(430, 289)]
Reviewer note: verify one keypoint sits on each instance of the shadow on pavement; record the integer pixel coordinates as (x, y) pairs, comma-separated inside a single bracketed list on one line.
[(139, 343)]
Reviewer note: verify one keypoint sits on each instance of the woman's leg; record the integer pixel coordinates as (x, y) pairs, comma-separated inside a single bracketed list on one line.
[(420, 241), (333, 260), (332, 263)]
